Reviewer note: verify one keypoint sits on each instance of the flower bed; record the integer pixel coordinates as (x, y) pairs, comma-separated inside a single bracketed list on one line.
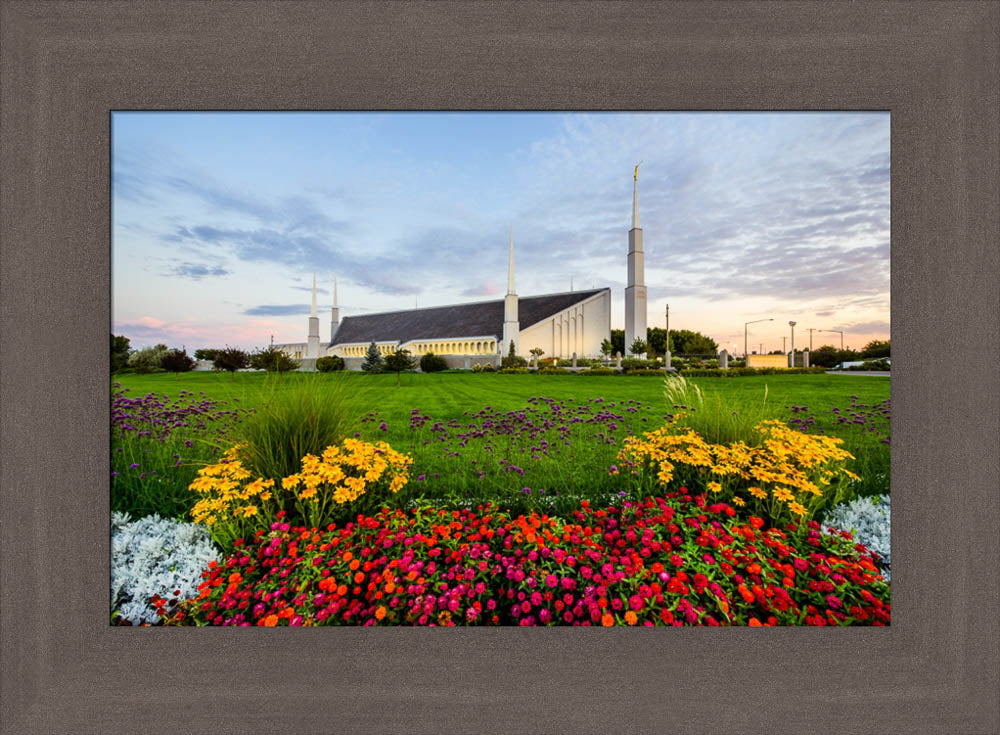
[(675, 560)]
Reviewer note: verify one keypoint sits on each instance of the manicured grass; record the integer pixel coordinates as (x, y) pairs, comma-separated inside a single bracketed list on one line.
[(448, 395), (475, 437)]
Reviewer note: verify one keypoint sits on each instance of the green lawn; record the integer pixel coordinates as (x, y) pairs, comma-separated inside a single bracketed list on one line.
[(448, 395)]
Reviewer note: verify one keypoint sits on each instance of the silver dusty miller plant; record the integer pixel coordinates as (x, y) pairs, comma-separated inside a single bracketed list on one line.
[(868, 519), (155, 556)]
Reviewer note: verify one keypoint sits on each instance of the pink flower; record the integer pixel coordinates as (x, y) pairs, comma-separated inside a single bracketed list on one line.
[(551, 580)]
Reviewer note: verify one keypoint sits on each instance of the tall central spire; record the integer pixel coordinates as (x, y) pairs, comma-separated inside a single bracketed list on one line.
[(511, 325), (312, 344), (635, 197), (510, 263), (635, 291)]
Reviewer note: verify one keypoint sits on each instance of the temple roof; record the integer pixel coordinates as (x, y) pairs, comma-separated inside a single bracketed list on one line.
[(481, 319)]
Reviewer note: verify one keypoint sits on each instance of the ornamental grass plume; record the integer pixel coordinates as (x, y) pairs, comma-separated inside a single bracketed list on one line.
[(717, 421)]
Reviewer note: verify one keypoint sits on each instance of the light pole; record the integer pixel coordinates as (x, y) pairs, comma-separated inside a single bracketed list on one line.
[(745, 325), (792, 358), (784, 345), (811, 330), (838, 332)]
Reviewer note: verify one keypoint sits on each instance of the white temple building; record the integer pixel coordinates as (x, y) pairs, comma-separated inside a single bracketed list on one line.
[(560, 324)]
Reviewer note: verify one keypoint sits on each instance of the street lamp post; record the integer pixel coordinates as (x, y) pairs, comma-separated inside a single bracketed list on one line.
[(792, 358), (745, 325), (838, 332)]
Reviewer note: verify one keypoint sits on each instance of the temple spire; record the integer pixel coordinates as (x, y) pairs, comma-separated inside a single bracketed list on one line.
[(635, 197), (510, 263)]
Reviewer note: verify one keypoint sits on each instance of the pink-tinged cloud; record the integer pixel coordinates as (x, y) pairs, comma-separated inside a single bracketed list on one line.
[(192, 335)]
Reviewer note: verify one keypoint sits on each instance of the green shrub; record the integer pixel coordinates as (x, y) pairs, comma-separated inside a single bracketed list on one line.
[(632, 363), (294, 418), (515, 371), (599, 371), (205, 353), (580, 362), (644, 372), (871, 365), (329, 364), (513, 360), (742, 372), (480, 368), (273, 360), (120, 349), (554, 371), (431, 363)]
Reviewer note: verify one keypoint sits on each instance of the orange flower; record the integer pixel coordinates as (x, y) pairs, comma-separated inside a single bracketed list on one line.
[(270, 621), (390, 588), (745, 593), (755, 623), (342, 590), (354, 565), (607, 620), (724, 606), (756, 522), (380, 612), (754, 568), (359, 577), (631, 618)]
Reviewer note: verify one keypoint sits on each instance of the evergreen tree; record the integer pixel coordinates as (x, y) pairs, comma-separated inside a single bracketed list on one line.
[(373, 360), (638, 347)]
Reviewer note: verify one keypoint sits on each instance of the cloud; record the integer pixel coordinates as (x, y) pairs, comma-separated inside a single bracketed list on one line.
[(197, 271), (279, 310)]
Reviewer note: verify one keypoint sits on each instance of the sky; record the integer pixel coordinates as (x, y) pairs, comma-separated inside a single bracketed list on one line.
[(219, 220)]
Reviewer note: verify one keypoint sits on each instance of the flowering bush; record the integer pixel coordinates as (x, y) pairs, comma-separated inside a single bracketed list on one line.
[(232, 507), (868, 519), (676, 560), (783, 477), (153, 557)]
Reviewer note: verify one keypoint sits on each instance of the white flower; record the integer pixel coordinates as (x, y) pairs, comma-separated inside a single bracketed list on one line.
[(868, 519), (155, 556)]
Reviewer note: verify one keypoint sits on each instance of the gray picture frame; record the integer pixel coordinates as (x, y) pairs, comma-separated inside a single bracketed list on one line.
[(66, 65)]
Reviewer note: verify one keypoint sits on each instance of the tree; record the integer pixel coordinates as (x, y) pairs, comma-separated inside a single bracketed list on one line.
[(431, 363), (607, 348), (119, 352), (147, 359), (272, 359), (513, 359), (177, 361), (398, 361), (329, 363), (877, 348), (537, 353), (373, 360), (618, 341), (686, 342), (638, 347), (230, 359), (656, 338), (205, 353)]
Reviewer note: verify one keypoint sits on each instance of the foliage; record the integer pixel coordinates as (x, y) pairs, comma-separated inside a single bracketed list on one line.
[(554, 371), (686, 342), (599, 371), (230, 359), (633, 363), (156, 443), (291, 421), (871, 365), (399, 361), (147, 359), (233, 506), (644, 372), (483, 368), (638, 347), (155, 558), (373, 360), (674, 560), (868, 520), (177, 361), (273, 360), (515, 371), (656, 338), (205, 353), (876, 348), (431, 363), (329, 363), (743, 372), (617, 341), (607, 348), (120, 349), (713, 417), (785, 474), (580, 362), (536, 352), (512, 359)]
